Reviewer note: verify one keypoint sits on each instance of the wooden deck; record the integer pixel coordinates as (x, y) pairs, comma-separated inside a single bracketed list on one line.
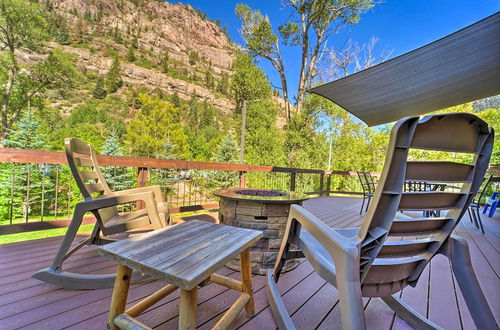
[(313, 304)]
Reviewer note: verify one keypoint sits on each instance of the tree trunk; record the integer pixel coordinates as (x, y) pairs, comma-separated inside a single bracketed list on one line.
[(5, 105)]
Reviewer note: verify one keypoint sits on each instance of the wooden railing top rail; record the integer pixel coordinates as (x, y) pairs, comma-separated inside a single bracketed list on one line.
[(8, 155)]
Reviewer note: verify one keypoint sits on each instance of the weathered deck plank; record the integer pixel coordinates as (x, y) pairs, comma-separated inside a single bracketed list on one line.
[(28, 303)]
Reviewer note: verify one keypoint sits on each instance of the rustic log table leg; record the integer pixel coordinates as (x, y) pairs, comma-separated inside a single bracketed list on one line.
[(246, 280), (120, 293), (187, 310)]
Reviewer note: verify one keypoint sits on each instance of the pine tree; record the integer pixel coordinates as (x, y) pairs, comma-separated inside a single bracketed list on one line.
[(176, 100), (135, 42), (26, 136), (99, 91), (117, 36), (209, 79), (118, 178), (28, 183), (113, 78), (227, 150), (130, 57), (164, 63), (193, 119), (223, 86)]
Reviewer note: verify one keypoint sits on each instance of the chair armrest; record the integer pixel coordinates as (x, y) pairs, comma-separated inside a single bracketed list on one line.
[(110, 200), (155, 189), (326, 236)]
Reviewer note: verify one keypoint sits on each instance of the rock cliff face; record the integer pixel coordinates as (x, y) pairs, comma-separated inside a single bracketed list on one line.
[(154, 29)]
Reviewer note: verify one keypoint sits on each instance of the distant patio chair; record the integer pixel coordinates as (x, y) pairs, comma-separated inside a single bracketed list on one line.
[(492, 203), (362, 262), (101, 202), (475, 204), (368, 187)]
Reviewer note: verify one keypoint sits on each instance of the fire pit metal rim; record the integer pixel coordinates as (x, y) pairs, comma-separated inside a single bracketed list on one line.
[(287, 197)]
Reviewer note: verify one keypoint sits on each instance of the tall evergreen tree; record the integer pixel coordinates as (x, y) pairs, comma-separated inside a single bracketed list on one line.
[(118, 178), (130, 57), (164, 63), (99, 91), (113, 78), (28, 183), (227, 150)]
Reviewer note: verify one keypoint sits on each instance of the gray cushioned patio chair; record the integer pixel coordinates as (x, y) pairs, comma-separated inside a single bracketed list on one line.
[(361, 262), (101, 202)]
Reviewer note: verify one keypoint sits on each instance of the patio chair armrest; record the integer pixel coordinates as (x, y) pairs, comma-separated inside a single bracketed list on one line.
[(110, 200), (155, 189), (326, 236)]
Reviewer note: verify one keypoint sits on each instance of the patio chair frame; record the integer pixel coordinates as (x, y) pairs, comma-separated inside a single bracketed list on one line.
[(102, 203), (361, 262)]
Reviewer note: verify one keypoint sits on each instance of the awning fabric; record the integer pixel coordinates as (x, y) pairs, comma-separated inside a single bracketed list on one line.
[(459, 68)]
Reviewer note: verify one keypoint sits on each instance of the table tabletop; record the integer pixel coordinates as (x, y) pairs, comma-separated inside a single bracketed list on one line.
[(184, 254)]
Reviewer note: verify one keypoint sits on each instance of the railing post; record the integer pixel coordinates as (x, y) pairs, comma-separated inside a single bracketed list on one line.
[(328, 184), (243, 179), (321, 184), (142, 181), (293, 177)]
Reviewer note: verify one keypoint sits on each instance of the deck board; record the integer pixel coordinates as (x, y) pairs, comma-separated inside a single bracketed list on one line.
[(312, 303)]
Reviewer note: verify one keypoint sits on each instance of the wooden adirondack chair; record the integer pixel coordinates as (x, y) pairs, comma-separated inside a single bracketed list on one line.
[(361, 262), (101, 202)]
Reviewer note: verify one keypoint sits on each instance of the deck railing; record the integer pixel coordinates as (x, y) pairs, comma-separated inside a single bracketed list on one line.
[(37, 190)]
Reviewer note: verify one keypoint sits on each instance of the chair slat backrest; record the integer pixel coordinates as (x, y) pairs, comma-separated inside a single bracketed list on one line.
[(388, 266), (83, 163)]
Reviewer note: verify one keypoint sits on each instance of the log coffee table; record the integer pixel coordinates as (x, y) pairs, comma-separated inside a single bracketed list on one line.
[(262, 209), (185, 256)]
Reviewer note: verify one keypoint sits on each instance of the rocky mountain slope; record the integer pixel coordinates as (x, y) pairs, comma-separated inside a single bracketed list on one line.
[(198, 52)]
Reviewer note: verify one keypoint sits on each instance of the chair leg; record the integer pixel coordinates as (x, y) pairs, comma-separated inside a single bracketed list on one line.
[(69, 237), (479, 220), (120, 293), (408, 314), (470, 215), (457, 250), (474, 217), (349, 287), (362, 204), (493, 208), (368, 204)]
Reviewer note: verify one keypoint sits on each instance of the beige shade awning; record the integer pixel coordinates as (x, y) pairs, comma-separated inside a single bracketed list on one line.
[(459, 68)]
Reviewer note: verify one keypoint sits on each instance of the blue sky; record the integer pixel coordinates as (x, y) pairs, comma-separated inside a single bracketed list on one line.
[(400, 25)]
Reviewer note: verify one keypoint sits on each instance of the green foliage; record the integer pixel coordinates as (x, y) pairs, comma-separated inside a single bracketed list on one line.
[(22, 24), (130, 57), (209, 79), (135, 42), (117, 177), (99, 91), (249, 82), (117, 36), (26, 135), (227, 150), (164, 63), (155, 123), (113, 77), (223, 86), (193, 57), (58, 29), (28, 86)]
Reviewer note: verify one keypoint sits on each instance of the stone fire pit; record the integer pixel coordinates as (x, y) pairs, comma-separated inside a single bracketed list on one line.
[(260, 209)]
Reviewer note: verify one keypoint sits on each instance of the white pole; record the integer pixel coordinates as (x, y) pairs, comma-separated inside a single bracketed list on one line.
[(330, 153)]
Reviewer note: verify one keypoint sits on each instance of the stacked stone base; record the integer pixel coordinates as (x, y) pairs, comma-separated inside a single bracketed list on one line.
[(271, 219)]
